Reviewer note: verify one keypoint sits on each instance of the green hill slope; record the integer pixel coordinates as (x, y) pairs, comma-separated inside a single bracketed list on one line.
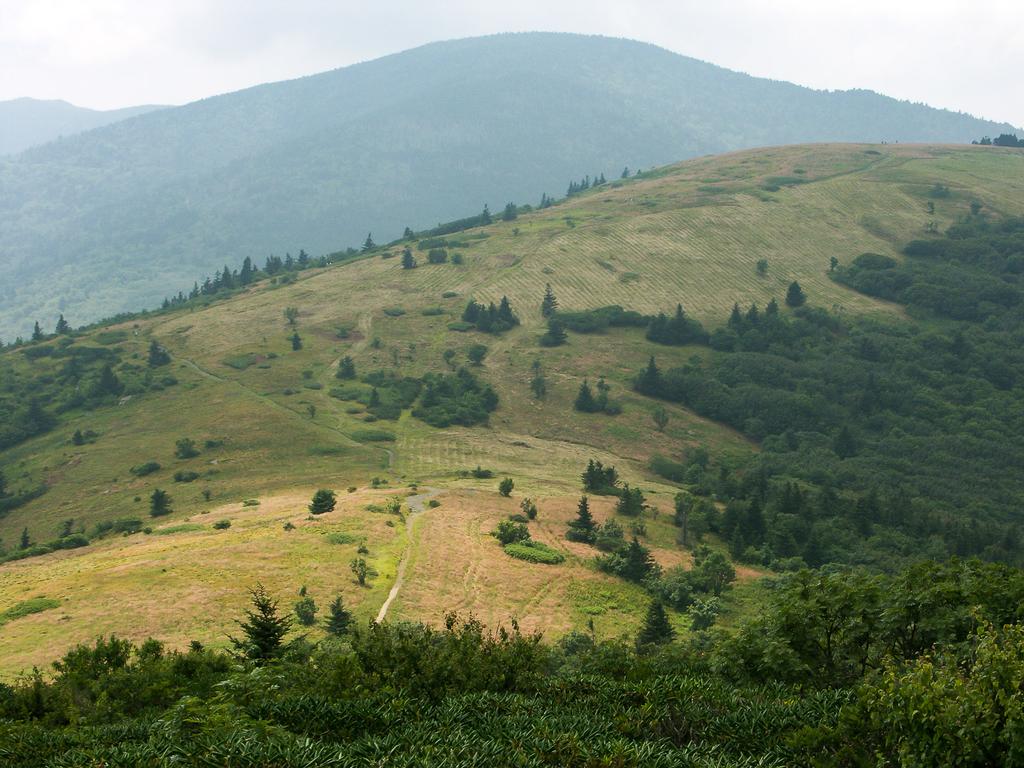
[(273, 423), (115, 219), (26, 123)]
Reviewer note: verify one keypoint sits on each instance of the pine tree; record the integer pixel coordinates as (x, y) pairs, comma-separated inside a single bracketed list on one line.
[(408, 234), (510, 213), (583, 528), (638, 562), (795, 296), (323, 501), (585, 402), (159, 503), (555, 336), (485, 217), (408, 260), (656, 629), (368, 244), (157, 355), (296, 342), (346, 368), (263, 630), (25, 542), (108, 383), (37, 332), (305, 609), (339, 619), (539, 386), (549, 305), (62, 326), (649, 382)]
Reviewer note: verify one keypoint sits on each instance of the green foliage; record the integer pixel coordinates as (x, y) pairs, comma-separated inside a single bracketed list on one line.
[(27, 608), (457, 398), (185, 448), (263, 630), (346, 368), (324, 500), (600, 319), (509, 532), (490, 318), (656, 629), (305, 610), (159, 503), (534, 552), (339, 620), (505, 486), (555, 336), (146, 468)]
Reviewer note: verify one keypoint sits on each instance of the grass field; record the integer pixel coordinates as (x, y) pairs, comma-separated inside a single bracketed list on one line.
[(689, 234)]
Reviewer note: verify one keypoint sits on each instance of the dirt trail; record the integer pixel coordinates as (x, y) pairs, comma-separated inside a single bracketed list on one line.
[(417, 505)]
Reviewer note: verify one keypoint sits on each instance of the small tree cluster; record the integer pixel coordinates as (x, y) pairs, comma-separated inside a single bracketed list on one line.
[(491, 319)]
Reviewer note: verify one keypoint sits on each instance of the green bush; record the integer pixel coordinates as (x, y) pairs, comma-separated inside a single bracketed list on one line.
[(373, 436), (183, 476), (148, 468), (534, 552)]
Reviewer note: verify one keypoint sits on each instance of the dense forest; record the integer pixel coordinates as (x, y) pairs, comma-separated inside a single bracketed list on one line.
[(881, 441), (840, 668)]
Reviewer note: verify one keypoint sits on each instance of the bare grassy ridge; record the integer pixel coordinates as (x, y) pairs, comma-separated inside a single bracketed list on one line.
[(690, 233)]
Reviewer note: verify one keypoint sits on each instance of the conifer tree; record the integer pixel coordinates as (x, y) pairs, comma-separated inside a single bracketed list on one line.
[(408, 234), (660, 417), (159, 503), (263, 630), (795, 296), (323, 501), (583, 528), (37, 332), (510, 213), (408, 260), (585, 402), (368, 244), (3, 485), (296, 342), (549, 305), (555, 336), (346, 368), (62, 326), (339, 619), (485, 217), (656, 629), (157, 355), (25, 541), (649, 382)]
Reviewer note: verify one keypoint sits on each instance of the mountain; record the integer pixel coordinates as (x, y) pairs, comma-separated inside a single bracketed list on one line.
[(118, 218), (878, 423), (28, 122)]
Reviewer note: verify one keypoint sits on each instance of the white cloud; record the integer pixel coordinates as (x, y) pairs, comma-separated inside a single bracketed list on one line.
[(106, 53)]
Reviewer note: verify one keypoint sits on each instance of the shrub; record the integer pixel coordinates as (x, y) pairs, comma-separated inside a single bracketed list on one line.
[(220, 525), (251, 503), (373, 436), (534, 552), (509, 532), (145, 469), (432, 311), (460, 325), (505, 486), (185, 476), (394, 311), (185, 448)]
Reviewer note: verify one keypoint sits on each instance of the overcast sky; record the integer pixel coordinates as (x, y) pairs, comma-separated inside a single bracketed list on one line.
[(960, 55)]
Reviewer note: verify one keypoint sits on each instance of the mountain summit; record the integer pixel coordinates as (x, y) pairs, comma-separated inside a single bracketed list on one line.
[(117, 218)]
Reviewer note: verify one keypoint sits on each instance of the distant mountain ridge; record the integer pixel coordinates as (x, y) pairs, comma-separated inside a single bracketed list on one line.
[(119, 217), (27, 122)]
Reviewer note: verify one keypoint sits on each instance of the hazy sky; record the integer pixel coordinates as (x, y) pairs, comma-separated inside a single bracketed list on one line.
[(110, 53)]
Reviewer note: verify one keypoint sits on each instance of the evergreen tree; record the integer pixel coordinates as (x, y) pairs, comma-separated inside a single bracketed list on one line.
[(62, 326), (108, 383), (408, 234), (736, 318), (583, 528), (656, 629), (638, 563), (305, 609), (76, 439), (555, 335), (844, 445), (360, 570), (323, 501), (303, 260), (485, 217), (157, 355), (649, 382), (346, 368), (37, 332), (510, 213), (585, 402), (660, 417), (339, 619), (263, 630), (25, 541), (549, 305), (296, 342), (368, 244), (159, 503), (505, 486), (3, 485), (625, 173), (539, 385), (795, 295), (408, 260)]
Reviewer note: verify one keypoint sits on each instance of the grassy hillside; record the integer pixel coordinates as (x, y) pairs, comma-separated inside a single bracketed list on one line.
[(115, 219), (268, 428)]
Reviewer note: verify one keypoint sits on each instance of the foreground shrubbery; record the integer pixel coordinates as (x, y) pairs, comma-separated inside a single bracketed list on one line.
[(841, 669)]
